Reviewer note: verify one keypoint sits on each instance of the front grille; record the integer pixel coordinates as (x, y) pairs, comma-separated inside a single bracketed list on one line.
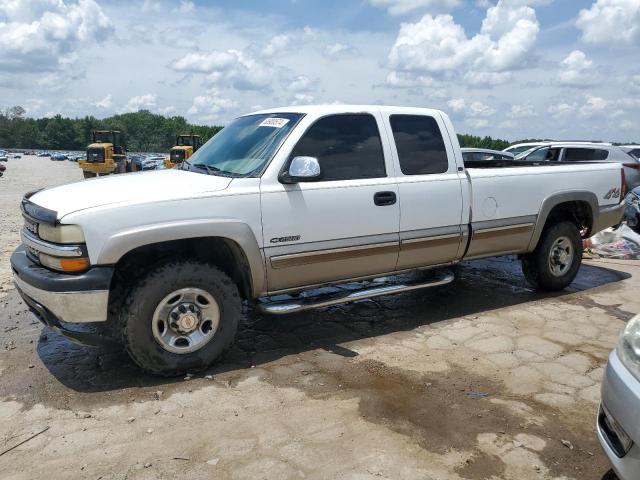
[(95, 155), (31, 227), (177, 156), (33, 254)]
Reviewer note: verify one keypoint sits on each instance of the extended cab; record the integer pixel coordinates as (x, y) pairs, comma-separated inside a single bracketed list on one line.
[(286, 200)]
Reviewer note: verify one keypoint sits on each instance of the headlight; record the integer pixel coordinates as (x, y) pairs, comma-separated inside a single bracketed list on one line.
[(61, 233), (629, 347), (65, 264)]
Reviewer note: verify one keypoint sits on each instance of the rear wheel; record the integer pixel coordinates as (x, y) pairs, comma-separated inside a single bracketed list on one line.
[(556, 260), (180, 317), (88, 174)]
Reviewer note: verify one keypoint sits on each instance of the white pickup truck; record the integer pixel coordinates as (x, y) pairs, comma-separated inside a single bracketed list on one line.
[(287, 200)]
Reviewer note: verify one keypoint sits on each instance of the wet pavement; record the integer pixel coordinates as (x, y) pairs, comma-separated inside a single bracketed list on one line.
[(483, 378)]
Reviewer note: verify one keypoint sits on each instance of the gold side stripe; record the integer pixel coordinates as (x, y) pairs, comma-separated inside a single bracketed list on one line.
[(428, 242), (501, 231), (319, 256)]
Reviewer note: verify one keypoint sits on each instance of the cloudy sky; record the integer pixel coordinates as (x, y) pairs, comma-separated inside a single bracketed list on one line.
[(506, 68)]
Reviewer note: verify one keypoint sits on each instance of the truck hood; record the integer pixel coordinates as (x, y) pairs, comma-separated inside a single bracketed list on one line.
[(130, 188)]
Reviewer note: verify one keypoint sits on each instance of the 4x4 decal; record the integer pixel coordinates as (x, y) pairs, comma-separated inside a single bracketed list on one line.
[(613, 193)]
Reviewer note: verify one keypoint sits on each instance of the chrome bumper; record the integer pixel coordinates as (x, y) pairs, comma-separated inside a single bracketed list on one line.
[(73, 307), (621, 397)]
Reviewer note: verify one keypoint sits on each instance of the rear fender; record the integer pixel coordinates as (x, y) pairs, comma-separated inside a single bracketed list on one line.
[(556, 199)]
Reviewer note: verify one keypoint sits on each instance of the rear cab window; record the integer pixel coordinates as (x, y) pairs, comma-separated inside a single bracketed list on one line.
[(347, 146), (419, 143), (585, 154)]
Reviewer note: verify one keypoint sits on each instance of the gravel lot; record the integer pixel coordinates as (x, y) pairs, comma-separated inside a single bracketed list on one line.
[(481, 379)]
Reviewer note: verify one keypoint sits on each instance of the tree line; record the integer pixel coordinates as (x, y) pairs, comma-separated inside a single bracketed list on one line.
[(143, 131)]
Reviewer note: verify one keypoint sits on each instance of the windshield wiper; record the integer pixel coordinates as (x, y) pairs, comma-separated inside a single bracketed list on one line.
[(210, 169)]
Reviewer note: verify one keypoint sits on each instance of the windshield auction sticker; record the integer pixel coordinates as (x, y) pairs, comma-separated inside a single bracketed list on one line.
[(274, 122)]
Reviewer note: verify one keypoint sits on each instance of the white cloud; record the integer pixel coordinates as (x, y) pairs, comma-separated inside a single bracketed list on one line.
[(337, 49), (593, 106), (301, 83), (473, 110), (231, 68), (477, 123), (487, 79), (522, 111), (106, 103), (577, 70), (166, 110), (141, 102), (276, 45), (562, 110), (212, 104), (507, 124), (479, 109), (457, 104), (407, 80), (303, 99), (611, 21), (438, 46), (400, 7), (40, 35)]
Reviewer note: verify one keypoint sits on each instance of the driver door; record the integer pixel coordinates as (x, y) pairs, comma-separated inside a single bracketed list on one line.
[(342, 225)]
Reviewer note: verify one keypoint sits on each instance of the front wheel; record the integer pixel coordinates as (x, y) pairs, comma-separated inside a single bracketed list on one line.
[(556, 260), (180, 317)]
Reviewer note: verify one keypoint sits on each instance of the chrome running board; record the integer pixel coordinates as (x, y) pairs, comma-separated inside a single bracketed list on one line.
[(299, 305)]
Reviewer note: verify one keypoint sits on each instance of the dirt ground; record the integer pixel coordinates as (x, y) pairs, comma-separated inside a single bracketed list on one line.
[(481, 379)]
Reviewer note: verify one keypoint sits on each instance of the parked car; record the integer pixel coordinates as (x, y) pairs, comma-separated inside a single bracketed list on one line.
[(4, 156), (618, 423), (143, 163), (282, 201), (518, 148), (44, 154), (586, 152), (58, 157), (484, 154), (633, 150)]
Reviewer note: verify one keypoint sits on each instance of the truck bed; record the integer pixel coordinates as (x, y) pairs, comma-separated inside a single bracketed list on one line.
[(507, 201)]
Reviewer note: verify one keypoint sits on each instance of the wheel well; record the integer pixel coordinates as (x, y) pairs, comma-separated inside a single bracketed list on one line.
[(577, 211), (226, 254)]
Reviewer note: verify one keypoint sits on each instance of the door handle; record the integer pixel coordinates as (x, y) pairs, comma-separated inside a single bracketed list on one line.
[(384, 198)]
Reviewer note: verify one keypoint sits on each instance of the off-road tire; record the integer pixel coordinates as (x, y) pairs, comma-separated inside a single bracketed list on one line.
[(139, 305), (88, 174), (536, 266)]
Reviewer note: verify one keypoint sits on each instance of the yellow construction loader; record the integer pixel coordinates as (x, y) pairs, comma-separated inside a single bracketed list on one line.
[(107, 154), (186, 145)]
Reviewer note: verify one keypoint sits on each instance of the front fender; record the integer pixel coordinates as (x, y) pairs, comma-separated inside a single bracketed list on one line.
[(116, 246)]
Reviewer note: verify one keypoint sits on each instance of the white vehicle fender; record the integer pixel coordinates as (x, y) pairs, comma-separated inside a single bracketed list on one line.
[(123, 242)]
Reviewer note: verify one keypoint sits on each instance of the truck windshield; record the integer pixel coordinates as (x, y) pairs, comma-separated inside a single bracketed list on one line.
[(244, 147)]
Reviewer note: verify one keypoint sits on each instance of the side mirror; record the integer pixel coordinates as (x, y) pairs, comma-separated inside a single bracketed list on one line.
[(302, 169)]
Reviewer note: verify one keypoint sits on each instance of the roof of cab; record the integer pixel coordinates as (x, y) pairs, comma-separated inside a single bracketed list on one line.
[(341, 108)]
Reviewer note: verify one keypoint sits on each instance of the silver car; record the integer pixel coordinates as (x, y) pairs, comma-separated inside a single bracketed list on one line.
[(618, 422), (586, 152)]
